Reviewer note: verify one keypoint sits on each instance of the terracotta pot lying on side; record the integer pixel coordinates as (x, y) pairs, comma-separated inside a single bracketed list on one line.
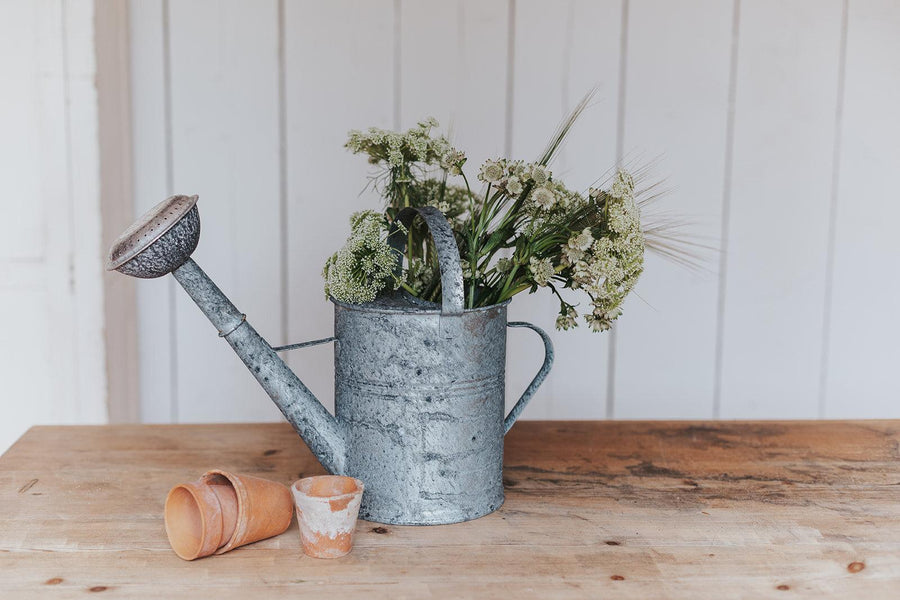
[(221, 511)]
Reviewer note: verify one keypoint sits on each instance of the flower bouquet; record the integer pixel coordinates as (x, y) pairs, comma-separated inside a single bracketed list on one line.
[(522, 230)]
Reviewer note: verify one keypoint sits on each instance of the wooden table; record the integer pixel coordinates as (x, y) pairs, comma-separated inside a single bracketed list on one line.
[(612, 509)]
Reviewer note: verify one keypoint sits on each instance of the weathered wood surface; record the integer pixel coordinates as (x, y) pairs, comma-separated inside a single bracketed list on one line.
[(612, 509)]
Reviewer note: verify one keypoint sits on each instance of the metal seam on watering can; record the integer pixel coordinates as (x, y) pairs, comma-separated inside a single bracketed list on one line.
[(419, 387)]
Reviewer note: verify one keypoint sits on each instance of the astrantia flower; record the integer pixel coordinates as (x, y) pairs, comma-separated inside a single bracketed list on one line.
[(540, 174), (596, 323), (566, 319), (491, 171), (572, 253), (583, 240), (504, 265), (514, 186), (544, 198), (452, 161), (541, 270)]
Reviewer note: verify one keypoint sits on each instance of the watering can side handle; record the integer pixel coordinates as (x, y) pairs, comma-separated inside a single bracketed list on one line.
[(538, 379), (304, 344)]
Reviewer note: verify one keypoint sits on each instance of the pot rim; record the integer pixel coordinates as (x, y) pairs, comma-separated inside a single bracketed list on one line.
[(412, 310), (360, 488)]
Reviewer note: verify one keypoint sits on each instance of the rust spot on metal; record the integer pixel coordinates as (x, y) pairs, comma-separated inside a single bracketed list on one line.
[(27, 486), (856, 566)]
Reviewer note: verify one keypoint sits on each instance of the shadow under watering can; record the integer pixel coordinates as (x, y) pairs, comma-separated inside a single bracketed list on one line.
[(419, 387)]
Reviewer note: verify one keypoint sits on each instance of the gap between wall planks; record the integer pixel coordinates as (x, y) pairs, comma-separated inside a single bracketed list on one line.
[(666, 353), (112, 47)]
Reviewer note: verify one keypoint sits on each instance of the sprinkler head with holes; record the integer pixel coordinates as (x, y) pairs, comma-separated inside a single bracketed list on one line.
[(160, 241)]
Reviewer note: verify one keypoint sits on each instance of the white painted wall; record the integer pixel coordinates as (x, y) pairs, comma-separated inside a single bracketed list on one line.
[(51, 295), (774, 124)]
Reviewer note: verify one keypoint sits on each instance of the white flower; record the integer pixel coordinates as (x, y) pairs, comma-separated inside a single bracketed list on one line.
[(623, 186), (572, 253), (540, 174), (544, 198), (541, 270), (364, 267), (583, 240), (514, 186), (566, 319), (597, 324), (504, 265), (452, 161), (491, 171)]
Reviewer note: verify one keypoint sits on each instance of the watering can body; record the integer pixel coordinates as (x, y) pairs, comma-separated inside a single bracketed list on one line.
[(419, 387), (421, 401)]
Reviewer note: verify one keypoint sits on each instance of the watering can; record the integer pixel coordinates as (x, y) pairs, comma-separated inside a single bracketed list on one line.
[(419, 386)]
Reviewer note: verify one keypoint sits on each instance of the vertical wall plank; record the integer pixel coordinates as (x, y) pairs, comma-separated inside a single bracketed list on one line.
[(327, 93), (224, 69), (32, 119), (456, 72), (86, 266), (52, 353), (21, 238), (777, 234), (149, 87), (560, 55), (863, 353), (676, 106)]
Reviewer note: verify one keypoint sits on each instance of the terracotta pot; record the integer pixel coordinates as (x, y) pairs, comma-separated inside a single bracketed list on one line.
[(221, 511), (327, 508)]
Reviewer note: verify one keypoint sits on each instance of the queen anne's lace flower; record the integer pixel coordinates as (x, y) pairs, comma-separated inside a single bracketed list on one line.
[(365, 265)]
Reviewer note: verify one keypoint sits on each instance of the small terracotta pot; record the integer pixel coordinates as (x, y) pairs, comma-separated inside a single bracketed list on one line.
[(221, 511), (327, 508)]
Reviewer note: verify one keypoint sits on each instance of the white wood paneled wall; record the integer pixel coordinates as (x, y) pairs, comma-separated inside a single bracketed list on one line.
[(51, 292), (773, 122)]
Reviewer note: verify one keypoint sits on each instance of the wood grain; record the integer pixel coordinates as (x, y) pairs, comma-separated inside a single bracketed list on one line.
[(618, 509)]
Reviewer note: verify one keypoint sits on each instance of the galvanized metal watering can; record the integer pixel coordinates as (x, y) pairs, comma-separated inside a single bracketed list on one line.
[(419, 388)]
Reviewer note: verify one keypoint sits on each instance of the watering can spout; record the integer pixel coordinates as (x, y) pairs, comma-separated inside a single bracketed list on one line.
[(162, 242)]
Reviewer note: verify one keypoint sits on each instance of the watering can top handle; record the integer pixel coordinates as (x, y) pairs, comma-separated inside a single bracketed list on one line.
[(447, 252)]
